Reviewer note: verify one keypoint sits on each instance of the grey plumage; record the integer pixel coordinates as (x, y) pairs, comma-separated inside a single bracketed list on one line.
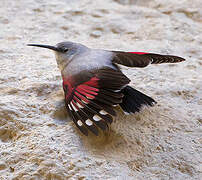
[(93, 82)]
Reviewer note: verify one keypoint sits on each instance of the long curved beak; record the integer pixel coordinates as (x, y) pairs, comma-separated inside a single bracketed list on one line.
[(44, 46)]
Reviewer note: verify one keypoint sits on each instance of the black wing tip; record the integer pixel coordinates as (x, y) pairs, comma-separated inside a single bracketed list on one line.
[(158, 59), (178, 59), (181, 59)]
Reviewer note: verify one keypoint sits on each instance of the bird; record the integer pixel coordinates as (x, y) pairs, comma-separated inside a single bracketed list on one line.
[(94, 84)]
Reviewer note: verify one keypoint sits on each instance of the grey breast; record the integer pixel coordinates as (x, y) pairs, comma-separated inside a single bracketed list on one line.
[(89, 60)]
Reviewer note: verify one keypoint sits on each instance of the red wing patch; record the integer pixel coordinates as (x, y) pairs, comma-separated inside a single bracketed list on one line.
[(138, 53), (90, 104)]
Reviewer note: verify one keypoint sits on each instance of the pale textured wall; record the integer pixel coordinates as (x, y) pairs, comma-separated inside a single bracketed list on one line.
[(37, 138)]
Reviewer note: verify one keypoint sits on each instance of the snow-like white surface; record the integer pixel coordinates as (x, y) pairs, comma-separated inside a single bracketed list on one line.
[(38, 139)]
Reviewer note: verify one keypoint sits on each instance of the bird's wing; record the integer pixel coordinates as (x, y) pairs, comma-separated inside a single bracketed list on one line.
[(90, 98), (141, 59)]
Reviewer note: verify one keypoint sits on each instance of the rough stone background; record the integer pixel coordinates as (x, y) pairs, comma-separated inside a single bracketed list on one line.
[(37, 138)]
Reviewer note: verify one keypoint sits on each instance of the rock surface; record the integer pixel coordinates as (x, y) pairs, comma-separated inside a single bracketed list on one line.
[(37, 138)]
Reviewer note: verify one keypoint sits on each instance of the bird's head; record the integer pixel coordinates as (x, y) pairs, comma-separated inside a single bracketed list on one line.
[(64, 51)]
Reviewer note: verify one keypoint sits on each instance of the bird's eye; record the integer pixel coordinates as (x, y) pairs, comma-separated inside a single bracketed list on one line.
[(65, 50)]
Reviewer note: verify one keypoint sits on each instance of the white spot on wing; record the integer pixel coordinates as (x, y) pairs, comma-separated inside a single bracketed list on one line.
[(79, 123), (84, 102), (70, 107), (103, 112), (97, 118), (89, 122), (89, 97), (75, 109), (126, 113), (79, 105), (118, 90)]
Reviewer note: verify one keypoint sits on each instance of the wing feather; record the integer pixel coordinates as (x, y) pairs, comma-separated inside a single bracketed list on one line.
[(90, 102), (140, 59)]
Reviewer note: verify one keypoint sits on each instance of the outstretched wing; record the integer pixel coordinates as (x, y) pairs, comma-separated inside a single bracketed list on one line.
[(141, 59), (90, 97)]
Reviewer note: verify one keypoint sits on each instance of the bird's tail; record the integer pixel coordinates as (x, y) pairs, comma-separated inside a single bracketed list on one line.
[(133, 100)]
